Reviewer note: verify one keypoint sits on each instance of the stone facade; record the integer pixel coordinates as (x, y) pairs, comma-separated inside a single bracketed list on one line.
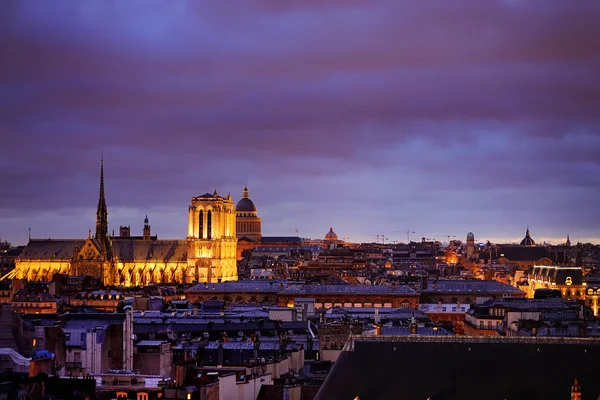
[(208, 254)]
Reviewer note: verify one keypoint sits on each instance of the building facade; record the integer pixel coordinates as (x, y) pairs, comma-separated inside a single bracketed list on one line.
[(248, 223), (208, 254)]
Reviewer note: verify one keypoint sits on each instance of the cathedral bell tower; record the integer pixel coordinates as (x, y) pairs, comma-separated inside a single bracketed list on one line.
[(211, 239)]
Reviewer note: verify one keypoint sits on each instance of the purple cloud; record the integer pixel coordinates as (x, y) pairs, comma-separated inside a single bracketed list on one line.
[(371, 117)]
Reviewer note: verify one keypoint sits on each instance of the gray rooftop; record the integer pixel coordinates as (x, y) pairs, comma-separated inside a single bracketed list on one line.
[(238, 286), (314, 290), (470, 286)]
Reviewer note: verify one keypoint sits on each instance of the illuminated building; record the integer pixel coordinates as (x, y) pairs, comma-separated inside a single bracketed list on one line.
[(331, 239), (248, 223), (527, 240), (568, 280), (470, 246), (208, 254)]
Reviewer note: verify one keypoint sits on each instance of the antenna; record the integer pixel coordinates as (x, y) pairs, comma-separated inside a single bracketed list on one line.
[(408, 232)]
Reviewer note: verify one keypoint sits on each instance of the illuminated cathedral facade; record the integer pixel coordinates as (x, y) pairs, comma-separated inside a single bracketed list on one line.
[(208, 254)]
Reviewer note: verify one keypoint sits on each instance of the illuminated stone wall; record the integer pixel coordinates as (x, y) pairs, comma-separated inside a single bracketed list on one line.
[(211, 239), (208, 254)]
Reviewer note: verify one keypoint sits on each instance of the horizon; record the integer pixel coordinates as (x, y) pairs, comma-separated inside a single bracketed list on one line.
[(397, 238), (371, 118)]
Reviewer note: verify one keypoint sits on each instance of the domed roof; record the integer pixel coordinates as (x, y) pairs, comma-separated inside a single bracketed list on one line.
[(527, 240), (470, 236), (331, 235), (245, 204)]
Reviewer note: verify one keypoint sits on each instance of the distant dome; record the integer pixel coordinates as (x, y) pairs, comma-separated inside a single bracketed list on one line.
[(245, 204), (527, 240), (331, 236), (470, 236)]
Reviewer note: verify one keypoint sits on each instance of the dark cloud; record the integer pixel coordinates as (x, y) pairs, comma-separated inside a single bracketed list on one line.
[(461, 107)]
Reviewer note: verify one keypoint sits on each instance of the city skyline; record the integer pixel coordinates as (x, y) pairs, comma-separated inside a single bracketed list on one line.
[(370, 118)]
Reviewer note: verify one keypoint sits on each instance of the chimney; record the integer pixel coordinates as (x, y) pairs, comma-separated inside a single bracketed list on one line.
[(582, 330), (534, 331), (414, 328)]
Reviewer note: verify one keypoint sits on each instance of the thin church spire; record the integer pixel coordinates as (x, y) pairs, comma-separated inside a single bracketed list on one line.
[(101, 213)]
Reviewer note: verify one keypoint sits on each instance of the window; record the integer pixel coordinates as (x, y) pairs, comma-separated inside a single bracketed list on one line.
[(480, 324), (489, 324), (201, 224), (82, 336), (68, 336), (209, 224)]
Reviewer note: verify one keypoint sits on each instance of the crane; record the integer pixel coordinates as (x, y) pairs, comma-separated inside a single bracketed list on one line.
[(408, 232)]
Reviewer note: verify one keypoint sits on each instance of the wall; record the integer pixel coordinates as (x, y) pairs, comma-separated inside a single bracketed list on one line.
[(154, 363), (230, 389), (330, 355)]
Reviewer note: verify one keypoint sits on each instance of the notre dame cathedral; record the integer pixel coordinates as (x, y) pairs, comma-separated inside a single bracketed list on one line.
[(208, 254)]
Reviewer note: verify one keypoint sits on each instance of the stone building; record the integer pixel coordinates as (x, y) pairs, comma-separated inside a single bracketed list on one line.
[(208, 254), (248, 223)]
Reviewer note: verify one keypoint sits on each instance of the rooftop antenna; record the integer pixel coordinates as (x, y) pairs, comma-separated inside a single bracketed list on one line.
[(30, 234)]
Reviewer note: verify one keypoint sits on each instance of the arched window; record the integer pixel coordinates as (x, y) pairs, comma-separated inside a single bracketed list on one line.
[(201, 224), (209, 224), (405, 304)]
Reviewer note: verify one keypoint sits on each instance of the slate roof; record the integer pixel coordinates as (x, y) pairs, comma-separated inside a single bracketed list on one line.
[(281, 239), (124, 249), (256, 286), (314, 290), (149, 343), (516, 253), (160, 250), (78, 324), (459, 368), (559, 274), (59, 249), (469, 286)]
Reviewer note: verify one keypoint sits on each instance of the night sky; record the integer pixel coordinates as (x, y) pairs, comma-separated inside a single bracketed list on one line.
[(374, 117)]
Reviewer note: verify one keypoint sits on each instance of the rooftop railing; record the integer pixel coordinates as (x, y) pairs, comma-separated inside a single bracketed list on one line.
[(468, 339)]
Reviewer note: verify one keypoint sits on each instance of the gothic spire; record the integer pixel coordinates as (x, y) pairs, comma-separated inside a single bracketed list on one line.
[(101, 213)]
